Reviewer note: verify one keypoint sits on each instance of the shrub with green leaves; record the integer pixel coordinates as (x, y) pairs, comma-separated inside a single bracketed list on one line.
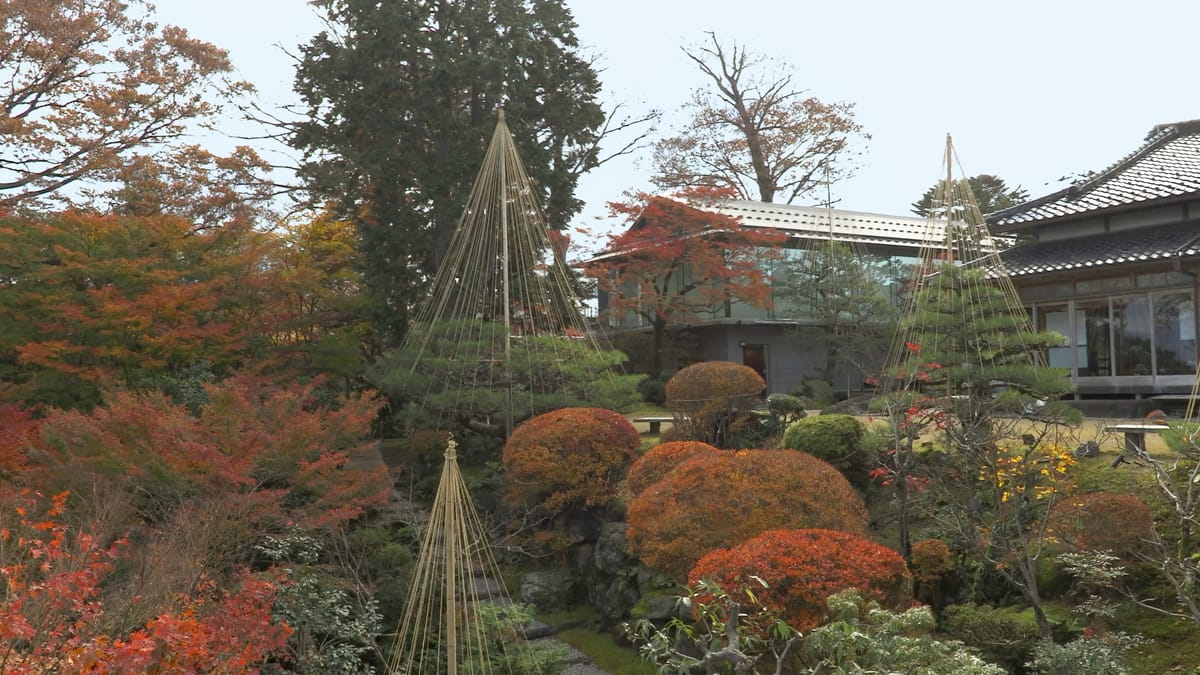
[(1092, 655), (1003, 636), (837, 439), (861, 637)]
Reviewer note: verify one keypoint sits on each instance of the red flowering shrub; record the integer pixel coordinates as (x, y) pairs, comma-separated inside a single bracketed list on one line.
[(1096, 521), (804, 567), (652, 466), (709, 396), (571, 457), (718, 500)]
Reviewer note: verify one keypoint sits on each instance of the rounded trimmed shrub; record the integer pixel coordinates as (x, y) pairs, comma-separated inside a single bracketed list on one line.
[(709, 396), (837, 439), (569, 458), (718, 500), (1097, 521), (659, 460), (802, 568)]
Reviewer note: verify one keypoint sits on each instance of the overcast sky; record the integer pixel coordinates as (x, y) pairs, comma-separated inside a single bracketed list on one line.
[(1031, 90)]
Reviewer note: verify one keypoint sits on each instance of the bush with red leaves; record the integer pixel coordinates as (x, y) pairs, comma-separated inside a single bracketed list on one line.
[(659, 460), (569, 458), (804, 567), (718, 500), (1097, 521)]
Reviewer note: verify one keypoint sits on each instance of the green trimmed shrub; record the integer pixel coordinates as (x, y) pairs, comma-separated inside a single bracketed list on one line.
[(836, 439), (1003, 636)]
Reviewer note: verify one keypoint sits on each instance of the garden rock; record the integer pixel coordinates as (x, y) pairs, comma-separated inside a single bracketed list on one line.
[(615, 599), (612, 549), (548, 589)]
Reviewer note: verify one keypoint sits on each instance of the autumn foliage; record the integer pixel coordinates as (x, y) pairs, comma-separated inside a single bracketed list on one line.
[(932, 560), (54, 616), (1099, 521), (804, 567), (569, 458), (718, 500), (18, 427), (679, 259), (708, 397), (660, 460), (271, 451)]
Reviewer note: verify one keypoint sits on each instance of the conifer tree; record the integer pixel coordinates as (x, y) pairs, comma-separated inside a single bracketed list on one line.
[(400, 100), (973, 382)]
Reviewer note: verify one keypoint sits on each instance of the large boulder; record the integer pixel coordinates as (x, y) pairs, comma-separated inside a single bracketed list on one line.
[(549, 589), (611, 554)]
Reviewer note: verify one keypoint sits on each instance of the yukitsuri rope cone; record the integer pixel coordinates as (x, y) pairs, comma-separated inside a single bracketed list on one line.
[(965, 351), (455, 574), (504, 326)]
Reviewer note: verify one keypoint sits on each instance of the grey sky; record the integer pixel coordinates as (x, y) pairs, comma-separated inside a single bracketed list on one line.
[(1030, 90)]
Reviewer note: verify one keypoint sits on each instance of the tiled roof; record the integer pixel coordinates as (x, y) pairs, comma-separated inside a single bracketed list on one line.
[(819, 222), (1156, 243), (1166, 166)]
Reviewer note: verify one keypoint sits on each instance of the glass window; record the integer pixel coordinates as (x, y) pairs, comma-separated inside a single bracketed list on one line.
[(1091, 324), (1131, 334), (1154, 279), (1175, 333), (1056, 319)]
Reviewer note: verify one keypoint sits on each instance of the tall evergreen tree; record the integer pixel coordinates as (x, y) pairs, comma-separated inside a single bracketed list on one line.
[(401, 99)]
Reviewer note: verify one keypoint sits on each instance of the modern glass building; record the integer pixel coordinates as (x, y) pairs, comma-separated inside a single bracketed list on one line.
[(772, 340)]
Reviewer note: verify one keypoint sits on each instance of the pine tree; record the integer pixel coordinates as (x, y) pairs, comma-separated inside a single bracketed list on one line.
[(975, 378)]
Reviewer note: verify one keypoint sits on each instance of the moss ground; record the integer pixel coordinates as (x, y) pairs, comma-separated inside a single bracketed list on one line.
[(606, 653)]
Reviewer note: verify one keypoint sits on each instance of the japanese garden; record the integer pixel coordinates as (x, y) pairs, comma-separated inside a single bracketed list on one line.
[(388, 411)]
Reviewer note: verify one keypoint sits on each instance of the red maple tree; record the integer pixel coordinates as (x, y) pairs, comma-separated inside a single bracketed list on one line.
[(678, 260)]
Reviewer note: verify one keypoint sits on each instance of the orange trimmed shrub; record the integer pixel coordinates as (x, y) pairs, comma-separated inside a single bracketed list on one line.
[(1096, 521), (569, 458), (652, 466), (709, 396), (718, 500), (804, 567)]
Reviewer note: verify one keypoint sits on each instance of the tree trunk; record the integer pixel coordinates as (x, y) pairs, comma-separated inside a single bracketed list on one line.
[(656, 365)]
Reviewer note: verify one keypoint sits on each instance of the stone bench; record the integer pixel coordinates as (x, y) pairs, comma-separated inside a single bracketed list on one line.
[(1135, 435), (654, 421)]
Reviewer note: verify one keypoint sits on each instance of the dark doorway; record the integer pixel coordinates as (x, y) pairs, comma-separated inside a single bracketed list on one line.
[(755, 356)]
